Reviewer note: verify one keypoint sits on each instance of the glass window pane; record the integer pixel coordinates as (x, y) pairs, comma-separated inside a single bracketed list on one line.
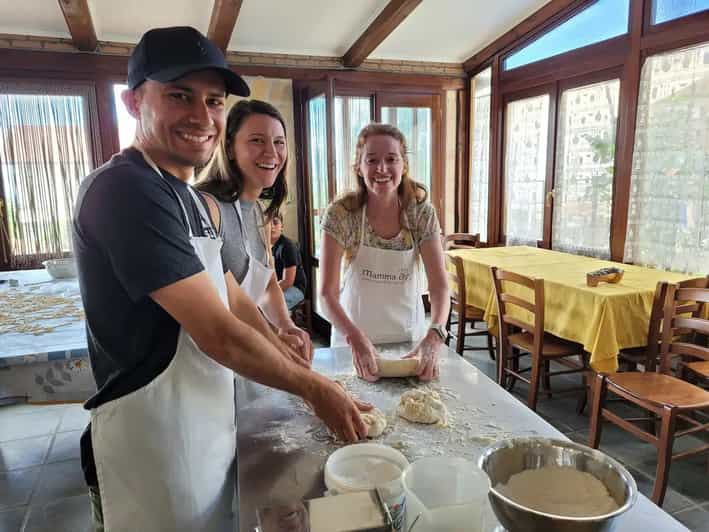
[(317, 158), (668, 215), (526, 129), (585, 153), (602, 20), (352, 113), (45, 152), (126, 123), (481, 95), (664, 10), (415, 124)]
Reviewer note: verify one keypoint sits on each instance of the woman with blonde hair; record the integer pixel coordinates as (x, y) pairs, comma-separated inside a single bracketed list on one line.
[(380, 231), (250, 165)]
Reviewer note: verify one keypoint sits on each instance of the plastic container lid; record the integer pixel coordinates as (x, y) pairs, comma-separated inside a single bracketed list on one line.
[(363, 466)]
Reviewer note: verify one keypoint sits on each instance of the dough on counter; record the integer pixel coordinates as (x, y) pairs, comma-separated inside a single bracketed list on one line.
[(376, 422), (397, 367), (423, 406), (559, 490)]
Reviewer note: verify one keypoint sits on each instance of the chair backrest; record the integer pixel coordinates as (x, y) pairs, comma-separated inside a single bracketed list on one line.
[(505, 300), (461, 241), (456, 281), (654, 333), (683, 319)]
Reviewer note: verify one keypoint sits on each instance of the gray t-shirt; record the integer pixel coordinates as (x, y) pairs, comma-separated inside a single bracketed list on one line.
[(234, 253)]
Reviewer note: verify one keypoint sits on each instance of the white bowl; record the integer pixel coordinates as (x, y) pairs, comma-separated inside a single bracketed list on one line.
[(61, 268), (362, 467)]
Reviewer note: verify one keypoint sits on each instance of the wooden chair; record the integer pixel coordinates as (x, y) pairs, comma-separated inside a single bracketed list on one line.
[(647, 356), (693, 367), (530, 339), (466, 314), (663, 395), (461, 241)]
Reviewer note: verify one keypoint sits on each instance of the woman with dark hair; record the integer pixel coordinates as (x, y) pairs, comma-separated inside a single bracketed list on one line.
[(248, 166), (381, 230)]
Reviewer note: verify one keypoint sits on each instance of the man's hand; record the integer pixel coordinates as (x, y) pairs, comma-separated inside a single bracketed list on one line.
[(362, 406), (298, 340), (338, 410), (294, 356)]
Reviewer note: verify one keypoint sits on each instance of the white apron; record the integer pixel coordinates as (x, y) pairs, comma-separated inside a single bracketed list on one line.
[(381, 294), (165, 452), (257, 275)]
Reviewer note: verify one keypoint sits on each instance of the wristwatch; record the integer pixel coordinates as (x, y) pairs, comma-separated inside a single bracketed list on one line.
[(440, 330)]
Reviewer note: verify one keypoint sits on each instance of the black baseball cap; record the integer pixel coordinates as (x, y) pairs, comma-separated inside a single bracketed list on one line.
[(167, 54)]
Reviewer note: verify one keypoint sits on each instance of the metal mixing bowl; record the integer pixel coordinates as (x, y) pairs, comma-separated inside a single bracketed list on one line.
[(506, 458)]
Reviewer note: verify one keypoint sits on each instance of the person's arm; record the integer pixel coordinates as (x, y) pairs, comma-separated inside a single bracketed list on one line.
[(428, 348), (288, 278), (195, 304), (363, 352), (434, 264), (290, 259), (274, 306), (139, 226), (246, 310)]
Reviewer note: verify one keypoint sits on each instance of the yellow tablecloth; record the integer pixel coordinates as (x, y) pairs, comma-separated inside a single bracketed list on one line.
[(604, 319)]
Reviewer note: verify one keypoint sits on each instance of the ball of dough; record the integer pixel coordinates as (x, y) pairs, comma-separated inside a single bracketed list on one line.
[(376, 422), (423, 406)]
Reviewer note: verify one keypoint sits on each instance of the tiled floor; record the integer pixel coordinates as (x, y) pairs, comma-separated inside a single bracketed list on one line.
[(41, 483), (687, 496), (42, 487)]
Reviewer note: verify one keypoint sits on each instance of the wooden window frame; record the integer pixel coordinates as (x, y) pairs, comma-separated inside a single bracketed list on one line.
[(438, 142), (624, 54), (61, 87), (554, 23), (383, 91)]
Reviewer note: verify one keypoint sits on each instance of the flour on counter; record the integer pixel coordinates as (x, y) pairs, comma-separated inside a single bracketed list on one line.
[(470, 428)]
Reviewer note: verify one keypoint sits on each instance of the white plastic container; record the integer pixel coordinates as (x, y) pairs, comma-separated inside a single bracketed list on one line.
[(444, 495), (366, 466)]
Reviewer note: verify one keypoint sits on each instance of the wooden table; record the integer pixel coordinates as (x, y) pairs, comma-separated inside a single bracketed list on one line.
[(604, 319), (281, 456)]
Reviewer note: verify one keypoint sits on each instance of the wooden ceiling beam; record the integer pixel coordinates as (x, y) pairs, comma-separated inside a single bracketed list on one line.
[(545, 15), (81, 27), (223, 21), (386, 22)]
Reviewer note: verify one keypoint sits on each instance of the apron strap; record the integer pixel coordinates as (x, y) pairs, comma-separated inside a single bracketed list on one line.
[(244, 236), (361, 224), (154, 166), (207, 227)]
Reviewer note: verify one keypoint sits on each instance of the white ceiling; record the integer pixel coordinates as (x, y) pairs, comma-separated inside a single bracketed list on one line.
[(309, 27), (437, 30), (453, 30)]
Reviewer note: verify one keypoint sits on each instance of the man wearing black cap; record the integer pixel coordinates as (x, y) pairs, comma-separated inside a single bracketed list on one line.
[(159, 451)]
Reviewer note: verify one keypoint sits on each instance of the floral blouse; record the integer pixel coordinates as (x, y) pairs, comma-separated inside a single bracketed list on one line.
[(344, 227)]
